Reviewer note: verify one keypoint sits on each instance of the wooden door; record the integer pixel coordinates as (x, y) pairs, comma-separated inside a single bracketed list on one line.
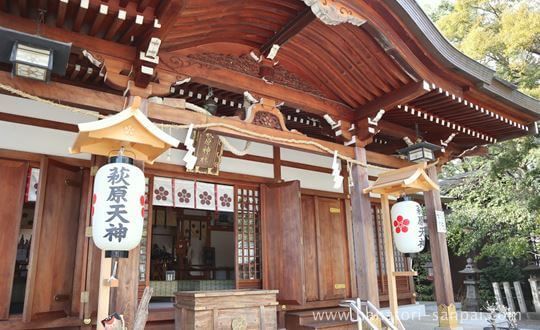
[(52, 259), (309, 222), (13, 180), (334, 266), (282, 249)]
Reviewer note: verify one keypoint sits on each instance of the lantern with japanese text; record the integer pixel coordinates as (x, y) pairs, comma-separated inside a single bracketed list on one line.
[(408, 226), (118, 207)]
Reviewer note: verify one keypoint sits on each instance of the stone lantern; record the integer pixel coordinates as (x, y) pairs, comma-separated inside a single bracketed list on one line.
[(472, 279)]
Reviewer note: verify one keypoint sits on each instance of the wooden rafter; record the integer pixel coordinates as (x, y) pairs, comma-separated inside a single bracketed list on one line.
[(97, 45), (289, 30), (390, 100), (166, 14)]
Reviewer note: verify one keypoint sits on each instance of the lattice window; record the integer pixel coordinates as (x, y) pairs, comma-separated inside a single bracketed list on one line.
[(399, 259), (248, 233)]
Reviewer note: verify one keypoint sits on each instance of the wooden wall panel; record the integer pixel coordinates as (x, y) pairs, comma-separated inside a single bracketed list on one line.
[(12, 187), (310, 248), (281, 229), (53, 251), (333, 250)]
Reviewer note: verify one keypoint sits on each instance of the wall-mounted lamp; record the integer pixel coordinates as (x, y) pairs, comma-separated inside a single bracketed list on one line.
[(33, 56), (31, 62)]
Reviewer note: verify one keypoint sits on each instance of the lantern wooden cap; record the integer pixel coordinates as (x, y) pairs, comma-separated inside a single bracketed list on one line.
[(130, 129), (406, 180)]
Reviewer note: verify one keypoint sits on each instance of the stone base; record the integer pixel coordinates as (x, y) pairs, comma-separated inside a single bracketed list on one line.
[(532, 315)]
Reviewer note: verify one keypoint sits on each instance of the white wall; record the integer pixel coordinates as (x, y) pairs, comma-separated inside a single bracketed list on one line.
[(37, 139)]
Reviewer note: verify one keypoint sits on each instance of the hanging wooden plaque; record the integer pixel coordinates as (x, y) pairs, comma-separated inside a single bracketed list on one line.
[(208, 150)]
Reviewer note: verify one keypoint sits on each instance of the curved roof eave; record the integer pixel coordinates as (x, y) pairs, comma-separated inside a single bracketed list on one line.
[(417, 20)]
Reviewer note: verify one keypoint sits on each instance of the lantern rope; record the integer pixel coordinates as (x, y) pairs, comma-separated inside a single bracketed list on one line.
[(196, 108), (57, 104)]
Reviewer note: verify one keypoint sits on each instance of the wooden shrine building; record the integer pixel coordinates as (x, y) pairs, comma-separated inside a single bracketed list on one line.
[(278, 92)]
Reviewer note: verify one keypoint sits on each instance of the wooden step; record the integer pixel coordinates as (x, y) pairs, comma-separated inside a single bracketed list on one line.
[(344, 325), (326, 318)]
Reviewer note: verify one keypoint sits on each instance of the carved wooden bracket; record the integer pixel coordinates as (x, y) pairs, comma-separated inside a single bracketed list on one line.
[(332, 12), (118, 75), (266, 114), (366, 131)]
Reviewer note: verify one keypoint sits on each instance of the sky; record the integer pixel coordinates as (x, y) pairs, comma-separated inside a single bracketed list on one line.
[(428, 5)]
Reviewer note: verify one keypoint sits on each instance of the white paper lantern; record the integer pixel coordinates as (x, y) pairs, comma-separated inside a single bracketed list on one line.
[(118, 207), (408, 227)]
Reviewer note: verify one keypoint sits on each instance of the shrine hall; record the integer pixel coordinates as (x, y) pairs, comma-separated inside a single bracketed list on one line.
[(231, 164)]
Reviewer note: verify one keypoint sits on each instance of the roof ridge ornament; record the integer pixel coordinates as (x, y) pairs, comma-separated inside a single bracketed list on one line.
[(331, 12)]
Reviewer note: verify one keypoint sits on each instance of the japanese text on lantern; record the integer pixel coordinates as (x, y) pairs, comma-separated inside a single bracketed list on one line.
[(118, 185)]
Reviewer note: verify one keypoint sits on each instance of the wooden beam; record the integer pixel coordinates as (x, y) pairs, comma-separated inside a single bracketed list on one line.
[(439, 253), (438, 248), (166, 13), (23, 8), (38, 122), (362, 232), (289, 30), (61, 13), (386, 160), (81, 14), (116, 25), (276, 152), (108, 103), (389, 259), (234, 81), (390, 100), (97, 46), (98, 20), (395, 130), (45, 123)]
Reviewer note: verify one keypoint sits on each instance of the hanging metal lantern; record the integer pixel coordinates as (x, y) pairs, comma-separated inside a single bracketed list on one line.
[(211, 105), (118, 207), (408, 226)]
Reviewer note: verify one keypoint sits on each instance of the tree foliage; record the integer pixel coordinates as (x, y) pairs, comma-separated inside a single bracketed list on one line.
[(497, 198), (497, 201), (502, 34)]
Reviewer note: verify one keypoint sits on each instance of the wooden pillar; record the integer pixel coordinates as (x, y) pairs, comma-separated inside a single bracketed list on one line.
[(277, 163), (439, 255), (389, 259), (363, 233), (127, 291), (104, 290)]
